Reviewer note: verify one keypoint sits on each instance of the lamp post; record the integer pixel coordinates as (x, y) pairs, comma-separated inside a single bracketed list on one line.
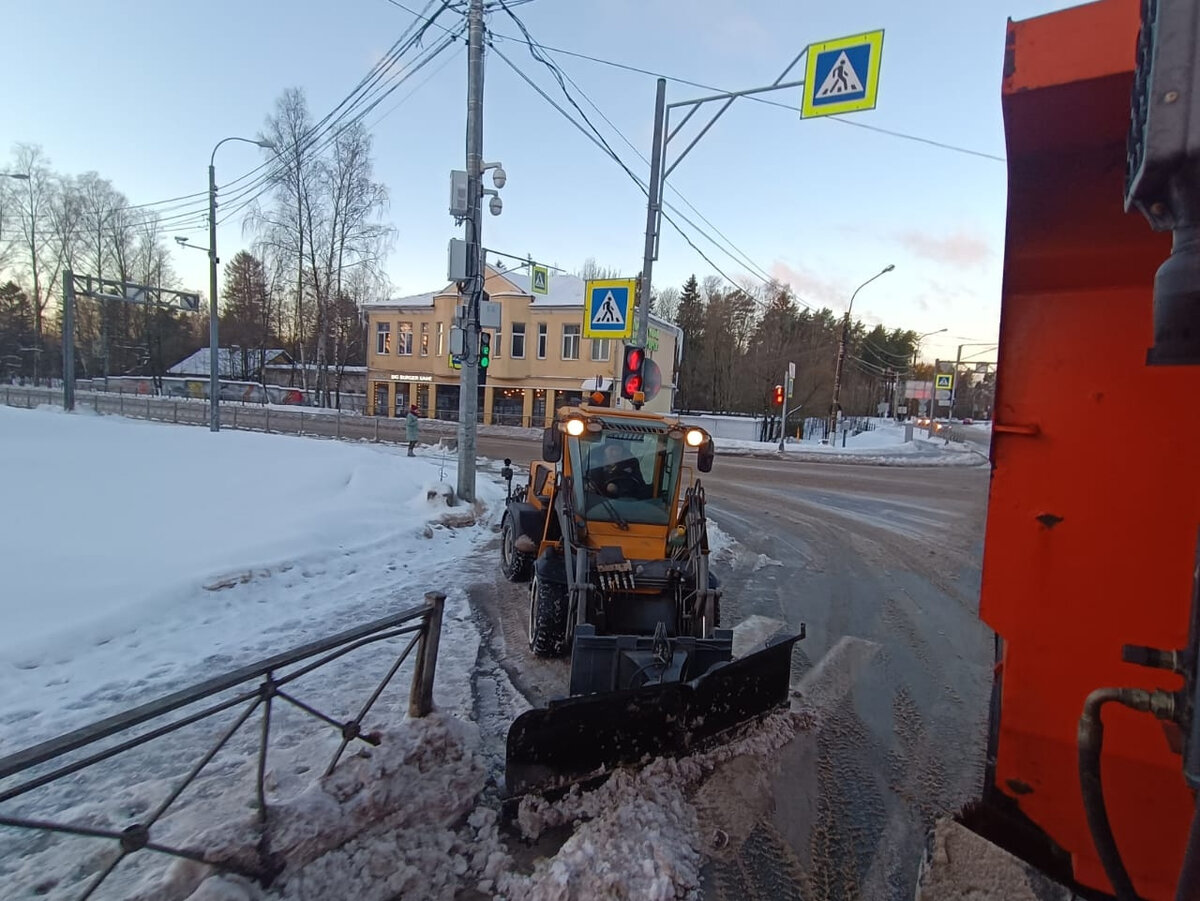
[(214, 381), (841, 354)]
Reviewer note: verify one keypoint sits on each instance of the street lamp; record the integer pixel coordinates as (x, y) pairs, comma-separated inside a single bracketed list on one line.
[(841, 354), (18, 175), (214, 382)]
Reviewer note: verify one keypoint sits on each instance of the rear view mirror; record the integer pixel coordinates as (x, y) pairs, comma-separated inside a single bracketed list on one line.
[(705, 456), (552, 444)]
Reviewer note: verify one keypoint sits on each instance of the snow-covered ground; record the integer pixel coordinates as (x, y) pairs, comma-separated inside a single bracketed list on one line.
[(140, 558), (884, 445)]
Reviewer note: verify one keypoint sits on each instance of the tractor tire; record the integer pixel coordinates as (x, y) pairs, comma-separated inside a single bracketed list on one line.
[(547, 618), (516, 566)]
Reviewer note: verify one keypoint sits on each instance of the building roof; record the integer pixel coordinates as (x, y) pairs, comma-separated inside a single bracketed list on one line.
[(229, 361), (566, 291)]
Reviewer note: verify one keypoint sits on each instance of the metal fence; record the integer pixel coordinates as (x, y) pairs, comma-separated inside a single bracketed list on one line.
[(252, 688), (251, 417)]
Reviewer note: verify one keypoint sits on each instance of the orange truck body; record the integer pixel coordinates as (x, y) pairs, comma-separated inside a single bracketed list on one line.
[(1094, 504)]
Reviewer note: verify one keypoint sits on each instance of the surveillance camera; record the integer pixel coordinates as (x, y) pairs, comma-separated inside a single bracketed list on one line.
[(495, 205), (499, 177)]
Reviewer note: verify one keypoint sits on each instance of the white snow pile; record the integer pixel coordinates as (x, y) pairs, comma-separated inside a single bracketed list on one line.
[(141, 558), (882, 446)]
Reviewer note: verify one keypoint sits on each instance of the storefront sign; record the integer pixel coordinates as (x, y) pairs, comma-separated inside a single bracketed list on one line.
[(398, 377)]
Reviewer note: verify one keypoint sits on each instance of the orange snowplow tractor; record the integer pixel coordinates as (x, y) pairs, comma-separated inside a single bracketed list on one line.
[(1094, 504)]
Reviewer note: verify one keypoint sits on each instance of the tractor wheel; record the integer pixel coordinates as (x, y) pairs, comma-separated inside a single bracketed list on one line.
[(547, 618), (516, 566)]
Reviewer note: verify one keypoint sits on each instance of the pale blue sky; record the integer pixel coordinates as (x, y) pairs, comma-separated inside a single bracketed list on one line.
[(140, 91)]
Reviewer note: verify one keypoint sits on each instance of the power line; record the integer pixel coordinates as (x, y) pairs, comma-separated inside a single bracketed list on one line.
[(764, 100), (745, 259), (240, 204), (597, 138)]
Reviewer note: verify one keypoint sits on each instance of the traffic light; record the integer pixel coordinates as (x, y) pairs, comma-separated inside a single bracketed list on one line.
[(485, 350), (633, 373), (778, 395)]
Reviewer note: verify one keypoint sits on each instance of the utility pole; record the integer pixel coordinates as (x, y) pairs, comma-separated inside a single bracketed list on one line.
[(837, 376), (954, 380), (468, 400), (214, 377), (653, 208)]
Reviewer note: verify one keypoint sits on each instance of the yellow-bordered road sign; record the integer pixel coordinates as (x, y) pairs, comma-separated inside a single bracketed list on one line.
[(945, 381), (539, 279), (842, 76), (608, 308)]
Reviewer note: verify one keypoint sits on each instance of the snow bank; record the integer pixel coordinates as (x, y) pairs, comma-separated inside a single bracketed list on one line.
[(882, 446)]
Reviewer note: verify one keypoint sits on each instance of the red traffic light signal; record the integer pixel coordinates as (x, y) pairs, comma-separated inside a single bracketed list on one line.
[(778, 395), (632, 372)]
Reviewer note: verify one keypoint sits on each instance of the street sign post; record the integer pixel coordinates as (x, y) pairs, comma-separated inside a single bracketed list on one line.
[(842, 75), (608, 308)]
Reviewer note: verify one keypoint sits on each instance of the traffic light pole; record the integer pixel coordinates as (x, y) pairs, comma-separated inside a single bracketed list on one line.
[(659, 170), (468, 400), (653, 210)]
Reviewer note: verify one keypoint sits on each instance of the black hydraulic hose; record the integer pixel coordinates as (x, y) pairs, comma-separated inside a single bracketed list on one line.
[(1091, 743), (1188, 887)]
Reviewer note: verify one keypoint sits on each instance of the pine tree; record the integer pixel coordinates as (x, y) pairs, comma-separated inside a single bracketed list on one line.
[(247, 312), (690, 319)]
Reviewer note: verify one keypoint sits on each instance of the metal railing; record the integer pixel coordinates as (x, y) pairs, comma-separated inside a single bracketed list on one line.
[(301, 421), (273, 675)]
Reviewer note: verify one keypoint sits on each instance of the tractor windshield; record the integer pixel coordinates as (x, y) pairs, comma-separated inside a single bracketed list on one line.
[(627, 476)]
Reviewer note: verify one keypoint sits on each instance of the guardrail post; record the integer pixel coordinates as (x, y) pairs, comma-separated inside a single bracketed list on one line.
[(147, 407), (376, 429), (267, 428), (235, 417), (420, 702), (175, 413), (301, 432), (339, 425)]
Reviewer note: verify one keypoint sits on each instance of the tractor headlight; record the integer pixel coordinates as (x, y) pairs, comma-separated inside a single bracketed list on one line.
[(695, 437), (575, 427)]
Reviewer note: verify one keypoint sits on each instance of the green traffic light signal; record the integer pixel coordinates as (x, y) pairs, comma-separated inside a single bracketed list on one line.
[(485, 350)]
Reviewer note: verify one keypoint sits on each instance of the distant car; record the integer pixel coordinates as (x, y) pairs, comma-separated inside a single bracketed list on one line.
[(968, 421)]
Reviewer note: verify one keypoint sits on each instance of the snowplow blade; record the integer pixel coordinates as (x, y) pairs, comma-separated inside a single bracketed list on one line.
[(575, 738)]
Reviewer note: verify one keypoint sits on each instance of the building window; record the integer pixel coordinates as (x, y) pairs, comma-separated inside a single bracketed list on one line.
[(497, 343), (441, 338), (541, 348), (518, 341), (599, 350), (383, 337), (404, 342), (424, 339), (570, 345)]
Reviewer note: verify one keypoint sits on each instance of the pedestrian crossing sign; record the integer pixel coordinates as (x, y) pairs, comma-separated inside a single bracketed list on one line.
[(608, 308), (539, 280), (842, 76), (945, 381)]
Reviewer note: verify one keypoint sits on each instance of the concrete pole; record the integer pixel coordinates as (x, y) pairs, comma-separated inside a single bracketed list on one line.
[(653, 209), (68, 340), (468, 401), (954, 380), (214, 380), (837, 372)]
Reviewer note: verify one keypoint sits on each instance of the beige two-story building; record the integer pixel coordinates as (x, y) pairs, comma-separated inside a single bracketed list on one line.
[(539, 358)]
